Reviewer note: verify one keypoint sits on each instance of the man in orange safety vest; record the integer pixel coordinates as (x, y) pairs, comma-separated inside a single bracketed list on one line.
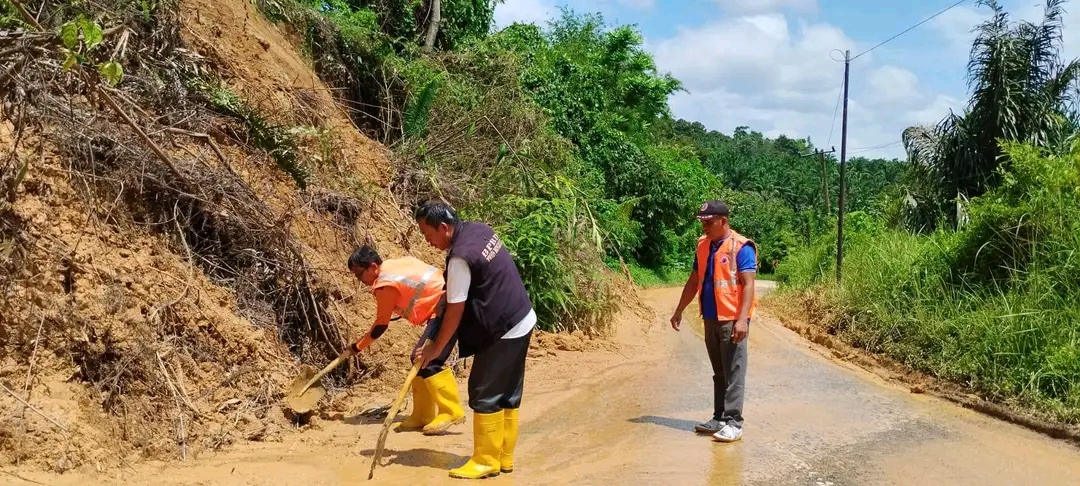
[(723, 278), (413, 290)]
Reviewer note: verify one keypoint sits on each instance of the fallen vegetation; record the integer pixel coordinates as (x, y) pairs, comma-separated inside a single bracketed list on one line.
[(164, 263)]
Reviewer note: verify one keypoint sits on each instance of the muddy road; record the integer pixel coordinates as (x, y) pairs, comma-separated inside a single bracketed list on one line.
[(626, 415)]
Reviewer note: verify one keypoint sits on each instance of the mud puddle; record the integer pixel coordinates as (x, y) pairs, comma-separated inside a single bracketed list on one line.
[(626, 417)]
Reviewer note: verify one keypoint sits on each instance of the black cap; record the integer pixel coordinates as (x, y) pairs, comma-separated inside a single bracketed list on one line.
[(713, 209)]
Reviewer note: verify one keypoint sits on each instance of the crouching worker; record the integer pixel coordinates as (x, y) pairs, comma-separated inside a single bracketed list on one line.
[(488, 308), (412, 289)]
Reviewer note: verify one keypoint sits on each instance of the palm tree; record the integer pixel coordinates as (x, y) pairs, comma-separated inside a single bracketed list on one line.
[(1020, 90)]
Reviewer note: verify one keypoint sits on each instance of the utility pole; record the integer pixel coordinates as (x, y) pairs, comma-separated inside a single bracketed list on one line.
[(825, 181), (824, 178), (843, 183)]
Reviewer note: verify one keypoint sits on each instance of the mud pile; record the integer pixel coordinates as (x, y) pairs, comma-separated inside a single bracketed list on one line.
[(158, 297)]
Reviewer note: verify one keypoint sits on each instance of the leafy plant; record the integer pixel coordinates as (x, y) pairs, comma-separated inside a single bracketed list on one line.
[(418, 112), (80, 38)]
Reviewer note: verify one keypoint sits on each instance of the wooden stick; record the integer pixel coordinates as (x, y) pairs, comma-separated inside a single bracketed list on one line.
[(31, 407), (26, 15), (145, 138), (16, 476), (202, 136), (183, 435), (333, 364), (381, 444), (172, 387), (33, 355)]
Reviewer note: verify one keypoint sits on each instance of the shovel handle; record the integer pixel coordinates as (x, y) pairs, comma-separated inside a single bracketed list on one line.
[(333, 364), (381, 444)]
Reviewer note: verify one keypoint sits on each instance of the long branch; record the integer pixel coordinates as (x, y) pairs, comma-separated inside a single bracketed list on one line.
[(26, 15)]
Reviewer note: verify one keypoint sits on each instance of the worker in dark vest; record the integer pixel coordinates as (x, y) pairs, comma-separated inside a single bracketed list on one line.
[(489, 310)]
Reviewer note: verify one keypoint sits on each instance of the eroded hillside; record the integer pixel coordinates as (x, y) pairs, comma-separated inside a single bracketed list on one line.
[(160, 288)]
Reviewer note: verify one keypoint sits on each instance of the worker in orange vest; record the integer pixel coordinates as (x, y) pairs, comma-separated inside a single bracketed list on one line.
[(723, 278), (413, 290)]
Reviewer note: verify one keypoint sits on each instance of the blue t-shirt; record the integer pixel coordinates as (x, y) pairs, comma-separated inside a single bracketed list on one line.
[(745, 261)]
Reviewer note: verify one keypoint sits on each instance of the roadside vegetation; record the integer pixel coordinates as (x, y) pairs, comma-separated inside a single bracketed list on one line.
[(968, 269), (561, 136)]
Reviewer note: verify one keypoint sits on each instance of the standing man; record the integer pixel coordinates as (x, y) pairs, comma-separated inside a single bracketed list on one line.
[(413, 290), (488, 308), (723, 280)]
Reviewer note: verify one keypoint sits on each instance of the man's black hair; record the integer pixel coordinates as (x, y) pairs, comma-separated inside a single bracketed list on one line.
[(433, 213), (364, 257)]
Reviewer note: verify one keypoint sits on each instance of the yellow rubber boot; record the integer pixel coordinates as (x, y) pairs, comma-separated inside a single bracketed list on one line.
[(487, 447), (510, 432), (423, 409), (445, 391)]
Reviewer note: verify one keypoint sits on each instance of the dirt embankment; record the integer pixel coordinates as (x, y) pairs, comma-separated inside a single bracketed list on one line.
[(159, 308)]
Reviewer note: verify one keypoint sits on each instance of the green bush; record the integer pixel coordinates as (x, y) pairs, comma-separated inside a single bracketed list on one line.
[(551, 244)]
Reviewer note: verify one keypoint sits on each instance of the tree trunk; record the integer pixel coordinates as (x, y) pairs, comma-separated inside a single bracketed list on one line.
[(433, 26)]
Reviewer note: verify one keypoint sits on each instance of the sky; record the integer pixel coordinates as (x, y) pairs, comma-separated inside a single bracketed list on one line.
[(772, 65)]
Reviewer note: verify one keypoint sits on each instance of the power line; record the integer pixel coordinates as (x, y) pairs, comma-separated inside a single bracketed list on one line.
[(909, 29), (875, 147), (832, 126)]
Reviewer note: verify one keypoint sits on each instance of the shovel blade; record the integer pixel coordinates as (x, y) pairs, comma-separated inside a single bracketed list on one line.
[(304, 403)]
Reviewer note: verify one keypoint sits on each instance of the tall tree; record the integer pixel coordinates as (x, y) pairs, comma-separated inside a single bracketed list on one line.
[(1020, 90)]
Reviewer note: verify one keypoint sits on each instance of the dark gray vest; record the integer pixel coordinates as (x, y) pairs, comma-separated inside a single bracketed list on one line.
[(497, 297)]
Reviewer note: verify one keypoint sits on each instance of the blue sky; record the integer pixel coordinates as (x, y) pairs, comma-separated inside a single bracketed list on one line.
[(766, 63)]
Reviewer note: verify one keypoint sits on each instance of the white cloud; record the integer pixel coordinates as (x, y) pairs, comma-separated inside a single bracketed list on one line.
[(772, 71), (525, 11), (895, 87), (957, 25), (759, 6), (778, 78)]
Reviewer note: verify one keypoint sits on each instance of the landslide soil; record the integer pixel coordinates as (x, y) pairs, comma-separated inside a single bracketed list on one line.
[(117, 348)]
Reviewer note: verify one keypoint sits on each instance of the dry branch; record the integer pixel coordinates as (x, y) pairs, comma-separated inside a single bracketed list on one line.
[(33, 356), (153, 146), (26, 15), (172, 387), (202, 136), (31, 407)]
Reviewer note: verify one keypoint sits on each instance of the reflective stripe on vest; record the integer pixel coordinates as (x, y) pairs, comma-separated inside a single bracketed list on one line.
[(418, 287)]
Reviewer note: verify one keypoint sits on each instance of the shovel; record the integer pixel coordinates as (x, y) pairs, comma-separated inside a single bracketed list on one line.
[(304, 393), (302, 396), (381, 444)]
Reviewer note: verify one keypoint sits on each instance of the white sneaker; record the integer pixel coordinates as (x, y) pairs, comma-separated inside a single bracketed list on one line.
[(730, 433)]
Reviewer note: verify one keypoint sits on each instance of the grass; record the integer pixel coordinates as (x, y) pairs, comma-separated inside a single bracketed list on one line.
[(994, 306), (278, 141)]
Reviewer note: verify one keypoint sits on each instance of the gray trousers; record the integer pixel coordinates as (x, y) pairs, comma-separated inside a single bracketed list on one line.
[(729, 370)]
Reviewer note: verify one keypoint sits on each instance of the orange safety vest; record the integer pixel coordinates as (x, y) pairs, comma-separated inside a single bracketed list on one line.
[(419, 287), (725, 269)]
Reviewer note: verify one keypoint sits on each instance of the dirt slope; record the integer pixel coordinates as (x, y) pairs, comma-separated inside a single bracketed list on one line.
[(128, 330)]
